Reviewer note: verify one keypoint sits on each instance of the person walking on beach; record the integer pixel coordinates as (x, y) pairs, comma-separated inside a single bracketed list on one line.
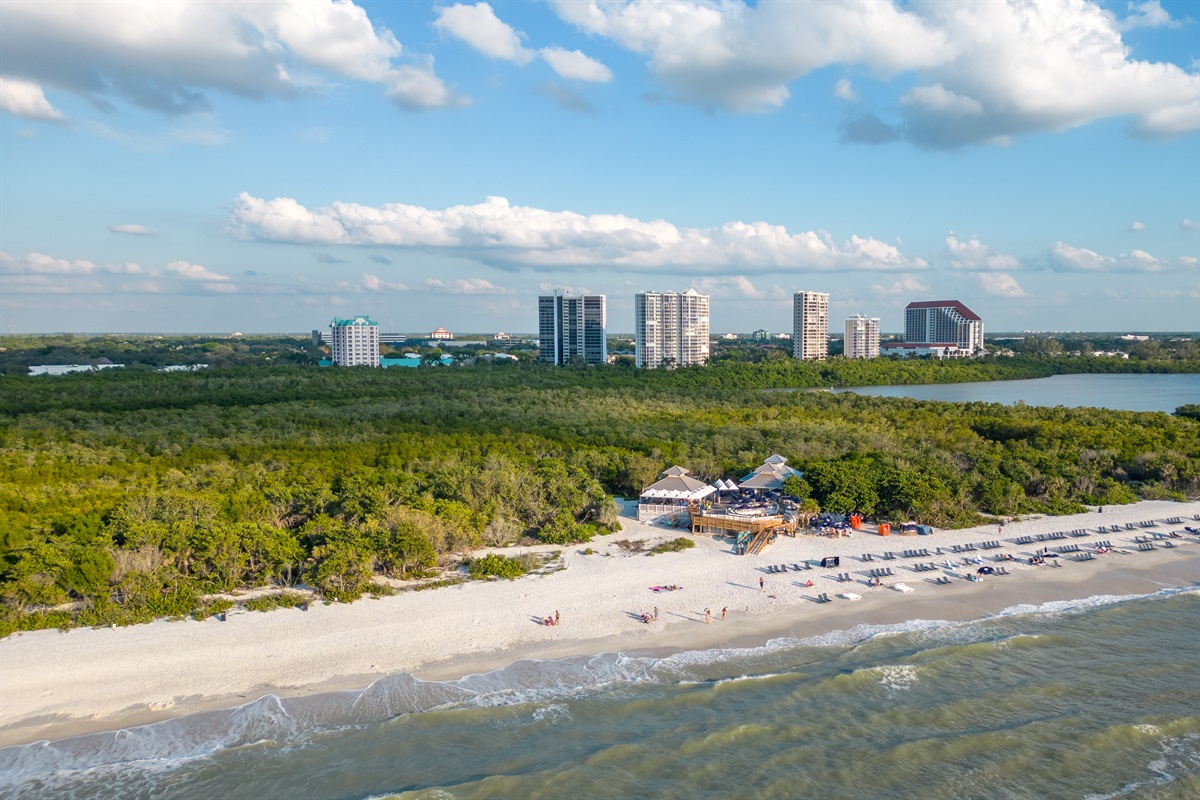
[(760, 584), (555, 617), (724, 612), (707, 616), (656, 612)]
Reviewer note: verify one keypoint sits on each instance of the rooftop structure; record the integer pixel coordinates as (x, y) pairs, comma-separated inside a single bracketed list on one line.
[(770, 476), (943, 321), (441, 333), (671, 494), (810, 324)]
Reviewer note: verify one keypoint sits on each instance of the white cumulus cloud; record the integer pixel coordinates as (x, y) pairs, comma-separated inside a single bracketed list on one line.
[(27, 100), (999, 284), (517, 236), (1148, 15), (741, 57), (41, 264), (845, 90), (376, 284), (574, 65), (132, 229), (167, 56), (903, 286), (1064, 257), (1190, 224), (1137, 227), (974, 255), (479, 27), (984, 72), (733, 285), (194, 272), (465, 286)]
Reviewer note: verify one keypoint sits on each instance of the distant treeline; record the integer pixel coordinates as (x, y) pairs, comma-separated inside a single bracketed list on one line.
[(127, 495)]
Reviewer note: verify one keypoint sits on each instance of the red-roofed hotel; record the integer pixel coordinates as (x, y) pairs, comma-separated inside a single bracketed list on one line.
[(944, 321)]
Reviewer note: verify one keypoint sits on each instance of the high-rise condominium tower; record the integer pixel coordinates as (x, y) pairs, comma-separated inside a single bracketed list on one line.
[(943, 322), (571, 328), (810, 326), (671, 328), (862, 337), (354, 342)]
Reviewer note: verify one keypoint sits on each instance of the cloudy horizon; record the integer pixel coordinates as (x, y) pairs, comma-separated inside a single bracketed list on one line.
[(265, 167)]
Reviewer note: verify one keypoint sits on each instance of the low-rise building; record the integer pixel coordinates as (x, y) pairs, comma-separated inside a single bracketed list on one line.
[(924, 350)]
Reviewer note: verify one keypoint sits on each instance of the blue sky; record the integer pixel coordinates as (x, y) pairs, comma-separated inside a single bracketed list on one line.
[(266, 166)]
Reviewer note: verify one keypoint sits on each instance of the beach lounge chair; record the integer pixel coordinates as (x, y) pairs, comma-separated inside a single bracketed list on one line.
[(823, 598), (942, 581), (868, 557), (1145, 547)]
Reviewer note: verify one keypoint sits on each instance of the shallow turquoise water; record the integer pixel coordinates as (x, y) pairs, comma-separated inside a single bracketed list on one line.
[(1090, 699)]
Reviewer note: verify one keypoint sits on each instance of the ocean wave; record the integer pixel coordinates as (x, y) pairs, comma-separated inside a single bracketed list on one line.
[(547, 683)]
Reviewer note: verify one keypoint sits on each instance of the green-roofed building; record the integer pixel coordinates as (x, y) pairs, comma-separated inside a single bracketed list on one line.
[(354, 341)]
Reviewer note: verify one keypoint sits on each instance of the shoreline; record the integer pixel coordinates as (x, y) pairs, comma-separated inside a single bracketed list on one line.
[(60, 685)]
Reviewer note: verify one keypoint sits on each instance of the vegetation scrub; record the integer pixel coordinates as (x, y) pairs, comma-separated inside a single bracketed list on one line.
[(126, 496)]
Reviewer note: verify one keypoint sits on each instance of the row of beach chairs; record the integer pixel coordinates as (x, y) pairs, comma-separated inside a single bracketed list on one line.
[(926, 567), (885, 572), (777, 568), (917, 554), (963, 548)]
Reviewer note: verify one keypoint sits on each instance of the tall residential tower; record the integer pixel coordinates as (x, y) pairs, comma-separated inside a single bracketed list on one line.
[(572, 328), (810, 326), (671, 328), (862, 337), (354, 342)]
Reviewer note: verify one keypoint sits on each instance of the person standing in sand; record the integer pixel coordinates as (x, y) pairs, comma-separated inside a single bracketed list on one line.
[(707, 616), (555, 617), (760, 584), (656, 612), (724, 612)]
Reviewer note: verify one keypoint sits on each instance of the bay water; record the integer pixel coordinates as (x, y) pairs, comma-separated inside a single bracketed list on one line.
[(1122, 392), (1090, 699)]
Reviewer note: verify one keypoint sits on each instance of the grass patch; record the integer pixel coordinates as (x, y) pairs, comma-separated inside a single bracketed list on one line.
[(673, 546)]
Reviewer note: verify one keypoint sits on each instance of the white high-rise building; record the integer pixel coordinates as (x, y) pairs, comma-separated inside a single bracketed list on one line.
[(810, 326), (571, 327), (862, 337), (354, 342), (671, 328)]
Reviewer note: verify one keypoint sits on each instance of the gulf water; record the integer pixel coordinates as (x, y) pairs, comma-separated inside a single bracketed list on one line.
[(1090, 699)]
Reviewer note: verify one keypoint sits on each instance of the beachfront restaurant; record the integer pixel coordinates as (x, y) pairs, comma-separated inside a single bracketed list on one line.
[(769, 477), (672, 494)]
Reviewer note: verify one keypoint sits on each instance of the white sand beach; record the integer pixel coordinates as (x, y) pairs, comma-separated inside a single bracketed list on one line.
[(55, 684)]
